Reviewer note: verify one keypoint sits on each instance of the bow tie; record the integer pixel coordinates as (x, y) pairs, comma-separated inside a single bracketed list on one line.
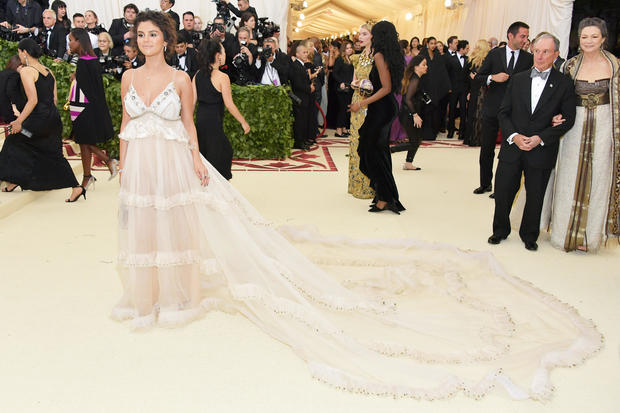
[(542, 75), (182, 55)]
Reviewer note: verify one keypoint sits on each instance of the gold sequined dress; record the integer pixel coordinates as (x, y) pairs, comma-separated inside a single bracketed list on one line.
[(359, 184)]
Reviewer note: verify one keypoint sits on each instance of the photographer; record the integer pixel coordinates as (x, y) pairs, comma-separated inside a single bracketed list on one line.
[(23, 17), (104, 54), (248, 21), (244, 54), (166, 7), (272, 65), (195, 37), (120, 29), (53, 36), (244, 6), (217, 30), (185, 58), (129, 60), (92, 23)]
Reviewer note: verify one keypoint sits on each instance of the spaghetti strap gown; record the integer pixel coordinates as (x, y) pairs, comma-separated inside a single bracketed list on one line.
[(212, 142), (386, 317), (37, 162)]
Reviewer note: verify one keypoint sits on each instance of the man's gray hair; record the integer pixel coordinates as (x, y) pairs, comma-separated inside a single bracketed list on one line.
[(49, 11), (547, 35), (272, 40)]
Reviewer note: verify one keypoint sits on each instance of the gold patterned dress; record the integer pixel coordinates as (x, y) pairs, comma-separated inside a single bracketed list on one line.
[(359, 184)]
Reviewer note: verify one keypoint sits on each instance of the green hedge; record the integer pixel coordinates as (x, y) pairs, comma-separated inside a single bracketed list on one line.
[(266, 108)]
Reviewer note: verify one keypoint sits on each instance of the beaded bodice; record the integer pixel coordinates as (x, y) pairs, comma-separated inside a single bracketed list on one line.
[(167, 105), (583, 87), (363, 66)]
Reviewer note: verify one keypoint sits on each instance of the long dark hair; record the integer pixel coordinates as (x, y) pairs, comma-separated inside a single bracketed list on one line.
[(385, 41), (31, 47), (58, 4), (81, 35), (207, 50), (416, 61), (162, 21)]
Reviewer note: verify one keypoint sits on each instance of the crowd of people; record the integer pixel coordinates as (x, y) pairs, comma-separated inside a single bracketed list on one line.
[(451, 88)]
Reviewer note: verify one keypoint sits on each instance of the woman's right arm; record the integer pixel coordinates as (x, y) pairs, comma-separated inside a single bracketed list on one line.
[(27, 77), (230, 104), (122, 142)]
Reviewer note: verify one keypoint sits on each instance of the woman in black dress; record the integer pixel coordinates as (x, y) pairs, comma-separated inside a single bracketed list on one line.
[(213, 92), (11, 90), (437, 84), (60, 7), (32, 155), (332, 87), (374, 142), (411, 109), (343, 76), (92, 123)]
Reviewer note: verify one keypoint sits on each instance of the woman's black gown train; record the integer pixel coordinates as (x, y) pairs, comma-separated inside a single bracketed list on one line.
[(37, 163)]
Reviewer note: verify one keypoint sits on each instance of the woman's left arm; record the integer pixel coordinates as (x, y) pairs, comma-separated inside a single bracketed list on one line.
[(186, 92), (230, 104), (386, 84)]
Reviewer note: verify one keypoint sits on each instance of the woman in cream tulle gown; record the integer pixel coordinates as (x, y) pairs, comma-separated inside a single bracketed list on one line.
[(397, 318)]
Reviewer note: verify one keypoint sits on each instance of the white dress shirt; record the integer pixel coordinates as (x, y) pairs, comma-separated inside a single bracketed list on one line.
[(270, 76), (538, 86), (182, 61), (94, 40), (461, 59), (508, 56)]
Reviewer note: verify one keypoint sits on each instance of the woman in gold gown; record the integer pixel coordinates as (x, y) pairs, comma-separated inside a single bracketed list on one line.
[(359, 184)]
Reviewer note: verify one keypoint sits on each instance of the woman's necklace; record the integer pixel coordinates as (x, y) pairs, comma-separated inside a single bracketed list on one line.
[(366, 59)]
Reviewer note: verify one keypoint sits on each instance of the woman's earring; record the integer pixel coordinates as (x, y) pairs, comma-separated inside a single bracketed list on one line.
[(27, 64), (165, 48)]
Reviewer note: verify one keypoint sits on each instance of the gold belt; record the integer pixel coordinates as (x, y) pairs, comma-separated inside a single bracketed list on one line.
[(592, 100)]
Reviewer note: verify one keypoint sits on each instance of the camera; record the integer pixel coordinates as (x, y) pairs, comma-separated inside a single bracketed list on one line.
[(266, 29), (241, 60), (7, 33), (71, 58), (265, 53), (222, 9), (426, 98)]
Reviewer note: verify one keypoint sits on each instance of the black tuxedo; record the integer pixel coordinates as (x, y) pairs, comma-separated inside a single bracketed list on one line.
[(175, 17), (117, 31), (191, 62), (281, 63), (300, 84), (516, 116), (559, 62), (58, 41), (495, 62), (459, 78)]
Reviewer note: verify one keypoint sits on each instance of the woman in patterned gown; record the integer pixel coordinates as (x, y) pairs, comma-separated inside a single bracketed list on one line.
[(359, 184), (586, 193)]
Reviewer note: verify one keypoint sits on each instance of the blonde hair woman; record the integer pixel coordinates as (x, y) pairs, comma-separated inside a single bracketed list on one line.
[(473, 132), (359, 184)]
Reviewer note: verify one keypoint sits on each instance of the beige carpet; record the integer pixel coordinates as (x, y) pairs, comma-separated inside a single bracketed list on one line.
[(61, 353)]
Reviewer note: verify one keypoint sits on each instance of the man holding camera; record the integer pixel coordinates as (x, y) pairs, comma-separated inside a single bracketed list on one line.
[(244, 54), (120, 29), (53, 36), (23, 17), (244, 6), (194, 37), (272, 65)]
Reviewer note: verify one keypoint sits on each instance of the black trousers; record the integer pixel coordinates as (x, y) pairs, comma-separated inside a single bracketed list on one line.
[(301, 124), (507, 183), (443, 108), (459, 98), (413, 134), (490, 128), (344, 100), (430, 122)]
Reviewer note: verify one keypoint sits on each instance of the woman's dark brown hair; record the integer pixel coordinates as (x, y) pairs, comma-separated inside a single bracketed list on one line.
[(13, 63), (163, 22), (86, 48)]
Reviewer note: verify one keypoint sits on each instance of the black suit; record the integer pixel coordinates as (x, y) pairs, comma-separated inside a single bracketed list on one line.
[(281, 63), (516, 116), (494, 63), (117, 31), (58, 41), (459, 78), (300, 83), (239, 13), (191, 62), (175, 17)]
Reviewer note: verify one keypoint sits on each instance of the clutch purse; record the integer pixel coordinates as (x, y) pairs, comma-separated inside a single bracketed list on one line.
[(365, 87)]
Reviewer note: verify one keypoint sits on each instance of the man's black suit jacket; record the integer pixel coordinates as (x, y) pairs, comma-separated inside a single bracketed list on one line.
[(117, 31), (515, 116), (459, 76), (300, 83), (191, 61), (174, 16), (495, 63), (58, 40), (281, 63)]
